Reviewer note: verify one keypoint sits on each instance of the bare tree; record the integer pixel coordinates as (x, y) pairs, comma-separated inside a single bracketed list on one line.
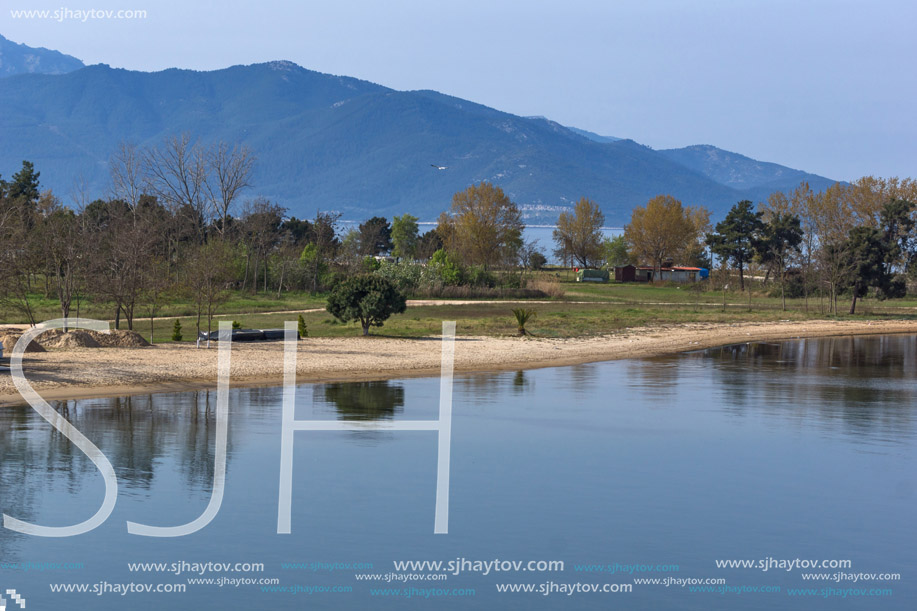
[(176, 173), (230, 170), (124, 240), (126, 168)]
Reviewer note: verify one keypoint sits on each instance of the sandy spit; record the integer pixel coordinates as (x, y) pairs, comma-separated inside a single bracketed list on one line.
[(94, 372)]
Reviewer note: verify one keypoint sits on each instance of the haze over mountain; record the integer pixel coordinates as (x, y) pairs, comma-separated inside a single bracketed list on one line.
[(738, 171), (16, 58), (337, 143)]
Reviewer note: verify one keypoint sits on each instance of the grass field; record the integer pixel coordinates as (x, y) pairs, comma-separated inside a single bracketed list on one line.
[(586, 309)]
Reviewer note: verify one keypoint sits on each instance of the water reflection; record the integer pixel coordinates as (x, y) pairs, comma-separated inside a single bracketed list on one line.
[(758, 446), (865, 385), (365, 400)]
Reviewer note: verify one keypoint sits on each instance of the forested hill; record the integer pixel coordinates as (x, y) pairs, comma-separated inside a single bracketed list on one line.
[(328, 142), (17, 58)]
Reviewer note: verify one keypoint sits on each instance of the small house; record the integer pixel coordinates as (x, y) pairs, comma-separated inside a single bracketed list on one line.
[(666, 273)]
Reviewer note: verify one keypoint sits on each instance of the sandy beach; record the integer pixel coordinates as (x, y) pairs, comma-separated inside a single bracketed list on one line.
[(90, 372)]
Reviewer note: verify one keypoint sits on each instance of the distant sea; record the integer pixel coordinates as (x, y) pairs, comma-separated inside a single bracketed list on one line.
[(542, 235)]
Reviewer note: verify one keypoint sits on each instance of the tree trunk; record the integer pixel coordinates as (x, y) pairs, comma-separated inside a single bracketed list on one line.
[(741, 278), (783, 290), (365, 329), (853, 302), (255, 278), (248, 258)]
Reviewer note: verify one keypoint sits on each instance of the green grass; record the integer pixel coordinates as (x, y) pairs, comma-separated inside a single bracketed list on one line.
[(608, 308)]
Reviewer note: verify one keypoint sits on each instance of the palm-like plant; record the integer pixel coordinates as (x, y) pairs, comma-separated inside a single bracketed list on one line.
[(522, 316)]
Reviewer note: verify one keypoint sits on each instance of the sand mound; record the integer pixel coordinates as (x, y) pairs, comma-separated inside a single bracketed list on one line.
[(76, 339), (49, 338), (119, 339), (9, 341), (86, 338)]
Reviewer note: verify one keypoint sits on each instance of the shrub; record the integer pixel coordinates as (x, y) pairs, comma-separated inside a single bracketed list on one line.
[(370, 264), (236, 324), (522, 316), (537, 261), (301, 327), (449, 271), (409, 277), (176, 331), (478, 276)]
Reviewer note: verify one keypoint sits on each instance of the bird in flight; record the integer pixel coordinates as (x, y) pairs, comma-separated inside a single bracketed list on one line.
[(439, 167)]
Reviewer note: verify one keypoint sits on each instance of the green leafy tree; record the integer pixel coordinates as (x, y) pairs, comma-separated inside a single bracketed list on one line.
[(321, 248), (368, 298), (866, 254), (736, 236), (405, 235), (780, 240), (25, 186), (614, 251), (897, 225), (579, 233), (448, 269), (375, 236)]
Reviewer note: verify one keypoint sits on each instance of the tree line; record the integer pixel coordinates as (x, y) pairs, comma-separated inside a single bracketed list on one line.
[(177, 224)]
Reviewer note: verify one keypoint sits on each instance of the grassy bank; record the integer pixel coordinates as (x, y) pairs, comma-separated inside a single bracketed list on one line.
[(584, 310)]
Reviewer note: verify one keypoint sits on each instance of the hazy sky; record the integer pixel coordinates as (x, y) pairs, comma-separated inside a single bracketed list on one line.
[(824, 86)]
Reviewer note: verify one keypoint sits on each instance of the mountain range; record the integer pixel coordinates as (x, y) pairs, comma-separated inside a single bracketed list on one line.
[(16, 58), (327, 142)]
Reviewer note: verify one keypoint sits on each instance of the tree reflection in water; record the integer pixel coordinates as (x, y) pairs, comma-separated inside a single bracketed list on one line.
[(379, 400)]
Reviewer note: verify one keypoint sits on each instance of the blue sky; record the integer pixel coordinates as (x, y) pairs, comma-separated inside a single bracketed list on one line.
[(824, 86)]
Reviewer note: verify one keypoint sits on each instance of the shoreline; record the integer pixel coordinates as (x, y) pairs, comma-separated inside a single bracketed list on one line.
[(106, 372)]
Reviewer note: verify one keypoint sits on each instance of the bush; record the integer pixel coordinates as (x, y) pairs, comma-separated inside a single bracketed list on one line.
[(176, 331), (537, 261), (370, 264), (478, 276), (448, 269), (409, 277), (301, 327), (236, 324)]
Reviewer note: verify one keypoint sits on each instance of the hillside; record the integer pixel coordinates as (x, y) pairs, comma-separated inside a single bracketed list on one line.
[(16, 58), (758, 178), (336, 143)]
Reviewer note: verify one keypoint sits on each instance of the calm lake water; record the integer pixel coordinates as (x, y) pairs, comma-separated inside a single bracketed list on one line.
[(793, 450)]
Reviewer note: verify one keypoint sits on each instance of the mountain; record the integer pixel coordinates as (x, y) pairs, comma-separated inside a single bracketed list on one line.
[(742, 173), (21, 59), (337, 143), (592, 135)]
